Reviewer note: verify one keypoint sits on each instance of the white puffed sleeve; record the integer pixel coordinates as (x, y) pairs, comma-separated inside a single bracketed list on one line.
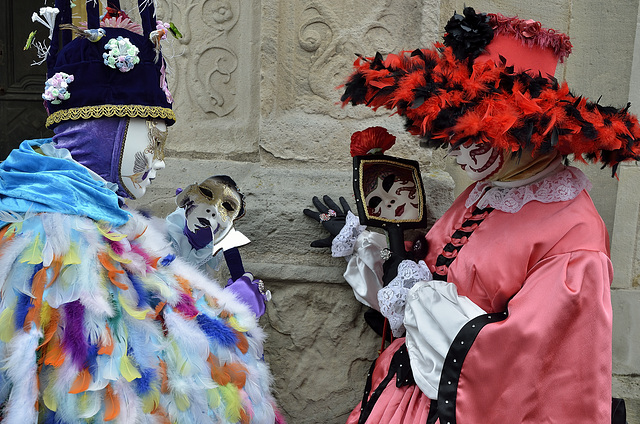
[(434, 314), (361, 248)]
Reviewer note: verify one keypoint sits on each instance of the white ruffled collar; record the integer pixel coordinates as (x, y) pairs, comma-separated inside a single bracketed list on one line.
[(555, 184)]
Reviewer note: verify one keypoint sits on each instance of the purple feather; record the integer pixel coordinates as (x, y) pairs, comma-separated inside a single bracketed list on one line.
[(186, 306), (74, 340)]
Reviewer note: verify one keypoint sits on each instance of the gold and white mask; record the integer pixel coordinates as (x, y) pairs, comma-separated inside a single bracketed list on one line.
[(215, 203), (142, 154)]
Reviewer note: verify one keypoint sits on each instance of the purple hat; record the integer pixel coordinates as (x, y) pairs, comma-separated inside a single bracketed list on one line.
[(112, 68)]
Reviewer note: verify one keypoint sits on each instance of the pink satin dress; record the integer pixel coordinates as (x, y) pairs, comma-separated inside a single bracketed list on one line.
[(549, 360)]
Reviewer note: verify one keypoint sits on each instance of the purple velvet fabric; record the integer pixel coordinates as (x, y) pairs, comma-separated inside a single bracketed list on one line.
[(249, 293), (96, 144)]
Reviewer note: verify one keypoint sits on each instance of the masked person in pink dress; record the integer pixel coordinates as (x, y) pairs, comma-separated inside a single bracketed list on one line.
[(507, 319)]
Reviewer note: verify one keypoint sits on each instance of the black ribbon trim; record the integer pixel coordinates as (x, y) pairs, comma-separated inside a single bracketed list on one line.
[(400, 368), (467, 228), (452, 366)]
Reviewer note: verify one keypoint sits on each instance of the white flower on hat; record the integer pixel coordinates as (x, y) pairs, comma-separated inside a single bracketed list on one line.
[(121, 55), (49, 14), (56, 88)]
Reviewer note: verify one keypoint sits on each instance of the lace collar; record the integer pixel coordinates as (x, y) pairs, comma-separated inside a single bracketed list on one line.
[(563, 184)]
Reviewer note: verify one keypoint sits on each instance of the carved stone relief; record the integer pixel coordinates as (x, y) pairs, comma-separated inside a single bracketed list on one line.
[(330, 37), (211, 61)]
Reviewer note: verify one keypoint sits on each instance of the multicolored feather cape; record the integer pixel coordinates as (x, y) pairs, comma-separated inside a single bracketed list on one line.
[(104, 324)]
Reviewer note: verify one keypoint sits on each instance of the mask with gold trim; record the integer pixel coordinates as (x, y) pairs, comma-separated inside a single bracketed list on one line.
[(214, 204), (142, 155)]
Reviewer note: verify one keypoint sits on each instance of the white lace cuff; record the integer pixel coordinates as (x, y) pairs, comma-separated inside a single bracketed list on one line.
[(393, 298), (342, 245)]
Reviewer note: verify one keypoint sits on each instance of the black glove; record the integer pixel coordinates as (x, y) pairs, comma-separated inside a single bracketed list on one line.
[(390, 268), (330, 216)]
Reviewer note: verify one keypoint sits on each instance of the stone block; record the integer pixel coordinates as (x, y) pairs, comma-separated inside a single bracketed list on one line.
[(307, 54), (628, 388), (626, 332), (319, 349), (213, 75)]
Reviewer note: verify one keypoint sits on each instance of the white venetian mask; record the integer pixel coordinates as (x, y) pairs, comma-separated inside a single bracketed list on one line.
[(393, 199), (214, 204), (478, 160), (142, 154)]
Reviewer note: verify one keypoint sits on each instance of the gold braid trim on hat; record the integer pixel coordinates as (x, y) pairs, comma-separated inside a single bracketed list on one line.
[(109, 111)]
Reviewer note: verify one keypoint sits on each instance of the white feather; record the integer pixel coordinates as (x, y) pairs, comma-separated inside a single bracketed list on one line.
[(188, 336), (130, 405), (21, 368), (147, 334), (47, 254), (93, 402), (56, 228), (10, 216), (64, 290), (10, 252), (64, 377)]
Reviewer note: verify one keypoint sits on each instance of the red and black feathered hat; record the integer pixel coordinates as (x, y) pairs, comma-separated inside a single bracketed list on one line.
[(491, 81)]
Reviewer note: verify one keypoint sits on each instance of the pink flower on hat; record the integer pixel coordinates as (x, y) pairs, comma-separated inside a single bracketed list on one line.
[(529, 28)]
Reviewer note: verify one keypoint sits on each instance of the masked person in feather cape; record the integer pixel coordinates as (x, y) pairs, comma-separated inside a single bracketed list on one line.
[(99, 320), (507, 319)]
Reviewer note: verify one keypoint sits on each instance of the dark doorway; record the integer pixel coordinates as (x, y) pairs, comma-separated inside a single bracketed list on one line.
[(22, 114)]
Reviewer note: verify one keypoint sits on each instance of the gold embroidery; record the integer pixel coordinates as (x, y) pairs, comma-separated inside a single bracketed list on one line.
[(102, 111), (157, 141)]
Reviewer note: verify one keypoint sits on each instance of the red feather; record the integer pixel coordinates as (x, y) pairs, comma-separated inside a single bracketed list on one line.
[(371, 140)]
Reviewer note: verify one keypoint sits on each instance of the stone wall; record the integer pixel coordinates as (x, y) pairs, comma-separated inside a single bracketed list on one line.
[(256, 95)]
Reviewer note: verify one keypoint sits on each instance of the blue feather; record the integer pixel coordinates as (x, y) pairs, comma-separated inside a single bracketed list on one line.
[(216, 330), (92, 359), (143, 295), (143, 384), (167, 259), (23, 304), (50, 417)]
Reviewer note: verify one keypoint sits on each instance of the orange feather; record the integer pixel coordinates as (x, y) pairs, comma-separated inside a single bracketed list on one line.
[(55, 355), (81, 383), (164, 386), (106, 263), (184, 283), (238, 374), (243, 342), (57, 265), (51, 328), (37, 289), (218, 373), (162, 414), (111, 404), (106, 347), (244, 418)]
